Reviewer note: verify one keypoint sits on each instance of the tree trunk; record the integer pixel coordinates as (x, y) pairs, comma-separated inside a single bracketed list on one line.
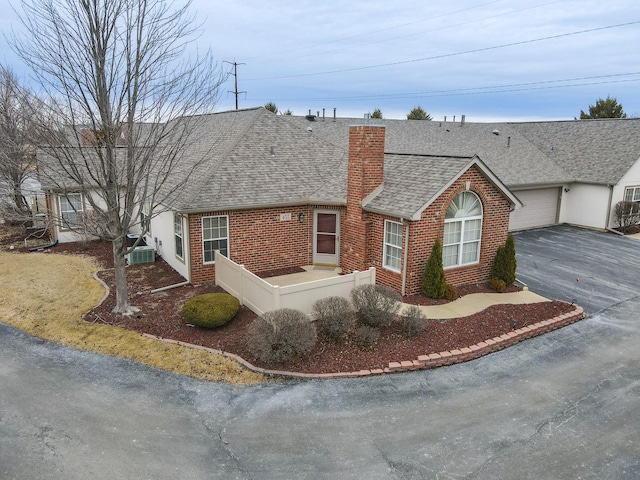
[(123, 306)]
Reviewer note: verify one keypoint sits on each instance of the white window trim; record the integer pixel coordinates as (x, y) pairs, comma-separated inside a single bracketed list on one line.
[(385, 244), (64, 226), (212, 262), (178, 219), (461, 243), (635, 195)]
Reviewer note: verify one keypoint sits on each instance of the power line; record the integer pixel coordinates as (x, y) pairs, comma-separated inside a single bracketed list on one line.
[(448, 55), (369, 33), (514, 87), (387, 40)]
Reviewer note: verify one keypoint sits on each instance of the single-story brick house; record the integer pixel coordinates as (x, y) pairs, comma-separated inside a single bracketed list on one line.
[(272, 194), (275, 195)]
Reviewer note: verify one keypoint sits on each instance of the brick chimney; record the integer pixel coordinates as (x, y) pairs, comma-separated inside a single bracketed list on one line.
[(364, 174)]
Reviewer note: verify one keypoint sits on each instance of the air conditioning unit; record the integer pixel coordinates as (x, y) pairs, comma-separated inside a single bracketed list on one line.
[(143, 254)]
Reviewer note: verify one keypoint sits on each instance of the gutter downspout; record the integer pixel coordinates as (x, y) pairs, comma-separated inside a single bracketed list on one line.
[(606, 225), (187, 244), (405, 260)]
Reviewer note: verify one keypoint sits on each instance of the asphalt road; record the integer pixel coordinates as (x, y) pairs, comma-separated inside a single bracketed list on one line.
[(562, 406)]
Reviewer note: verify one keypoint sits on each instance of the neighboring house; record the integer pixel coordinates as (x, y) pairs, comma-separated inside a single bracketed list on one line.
[(563, 171), (274, 194)]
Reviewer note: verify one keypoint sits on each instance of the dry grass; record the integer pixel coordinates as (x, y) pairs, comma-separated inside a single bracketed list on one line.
[(46, 295)]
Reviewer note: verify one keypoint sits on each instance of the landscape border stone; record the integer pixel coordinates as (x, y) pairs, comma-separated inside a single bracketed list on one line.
[(423, 362)]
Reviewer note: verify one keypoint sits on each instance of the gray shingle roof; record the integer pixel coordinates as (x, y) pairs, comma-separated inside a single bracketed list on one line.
[(253, 158), (538, 153), (411, 181), (510, 155), (592, 151)]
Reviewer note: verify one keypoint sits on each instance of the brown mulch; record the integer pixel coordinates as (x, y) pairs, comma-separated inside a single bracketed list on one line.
[(161, 315)]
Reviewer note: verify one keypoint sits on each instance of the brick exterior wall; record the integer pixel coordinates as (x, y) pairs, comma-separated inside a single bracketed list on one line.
[(258, 239), (365, 174), (423, 233)]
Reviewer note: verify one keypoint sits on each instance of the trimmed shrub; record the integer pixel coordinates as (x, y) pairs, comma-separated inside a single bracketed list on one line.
[(335, 316), (433, 282), (280, 335), (505, 264), (377, 305), (366, 336), (413, 321), (497, 285), (450, 292), (211, 310)]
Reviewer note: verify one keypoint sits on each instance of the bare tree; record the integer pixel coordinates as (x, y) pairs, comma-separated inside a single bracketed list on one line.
[(17, 160), (121, 69), (626, 214)]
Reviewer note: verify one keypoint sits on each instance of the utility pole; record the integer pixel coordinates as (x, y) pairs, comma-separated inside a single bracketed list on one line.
[(235, 80)]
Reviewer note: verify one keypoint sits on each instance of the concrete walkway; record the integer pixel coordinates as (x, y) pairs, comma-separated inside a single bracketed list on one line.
[(476, 302), (467, 305)]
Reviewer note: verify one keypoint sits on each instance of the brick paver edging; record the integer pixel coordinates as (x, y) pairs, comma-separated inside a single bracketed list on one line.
[(423, 362)]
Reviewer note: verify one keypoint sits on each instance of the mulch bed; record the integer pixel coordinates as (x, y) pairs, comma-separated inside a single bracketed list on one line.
[(161, 315)]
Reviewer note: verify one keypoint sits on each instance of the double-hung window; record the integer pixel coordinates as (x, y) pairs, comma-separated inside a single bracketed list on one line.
[(71, 210), (462, 231), (215, 236), (632, 194), (392, 245), (177, 234)]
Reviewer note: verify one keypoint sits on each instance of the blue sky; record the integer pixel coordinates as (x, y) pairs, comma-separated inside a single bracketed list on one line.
[(489, 60)]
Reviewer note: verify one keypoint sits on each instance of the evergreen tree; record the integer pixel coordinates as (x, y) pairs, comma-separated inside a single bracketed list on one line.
[(433, 281), (604, 108), (504, 265), (418, 114)]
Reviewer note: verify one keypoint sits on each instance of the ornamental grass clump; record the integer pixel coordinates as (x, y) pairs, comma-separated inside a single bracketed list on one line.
[(377, 305), (334, 316), (211, 310), (281, 335)]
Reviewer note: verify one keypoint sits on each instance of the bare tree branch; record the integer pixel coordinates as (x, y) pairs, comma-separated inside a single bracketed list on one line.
[(118, 68)]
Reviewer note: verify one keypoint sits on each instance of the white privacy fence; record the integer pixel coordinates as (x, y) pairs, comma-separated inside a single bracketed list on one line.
[(260, 296)]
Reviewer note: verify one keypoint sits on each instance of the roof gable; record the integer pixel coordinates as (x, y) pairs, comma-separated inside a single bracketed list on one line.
[(413, 182)]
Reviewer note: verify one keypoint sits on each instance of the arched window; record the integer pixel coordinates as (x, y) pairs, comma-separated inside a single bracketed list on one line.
[(462, 231)]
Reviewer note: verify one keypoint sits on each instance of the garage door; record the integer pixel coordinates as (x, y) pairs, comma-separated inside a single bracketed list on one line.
[(540, 209)]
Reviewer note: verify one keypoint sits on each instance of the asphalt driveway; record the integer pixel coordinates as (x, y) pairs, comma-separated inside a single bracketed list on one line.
[(564, 405)]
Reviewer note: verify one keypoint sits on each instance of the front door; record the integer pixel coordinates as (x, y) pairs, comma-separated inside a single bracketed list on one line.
[(326, 237)]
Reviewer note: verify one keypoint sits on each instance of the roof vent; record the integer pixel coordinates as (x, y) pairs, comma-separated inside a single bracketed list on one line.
[(496, 132)]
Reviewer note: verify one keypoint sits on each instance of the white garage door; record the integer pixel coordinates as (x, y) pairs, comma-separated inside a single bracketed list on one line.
[(540, 209)]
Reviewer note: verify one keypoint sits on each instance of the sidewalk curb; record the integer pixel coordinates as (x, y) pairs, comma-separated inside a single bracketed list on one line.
[(423, 362)]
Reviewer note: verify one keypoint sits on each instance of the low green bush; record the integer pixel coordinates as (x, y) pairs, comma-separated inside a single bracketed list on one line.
[(376, 305), (497, 285), (334, 316), (450, 292), (211, 310), (279, 336), (413, 321)]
